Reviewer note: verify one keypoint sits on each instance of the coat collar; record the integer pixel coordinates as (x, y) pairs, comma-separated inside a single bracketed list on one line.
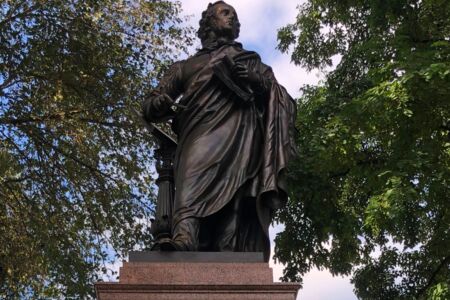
[(211, 45)]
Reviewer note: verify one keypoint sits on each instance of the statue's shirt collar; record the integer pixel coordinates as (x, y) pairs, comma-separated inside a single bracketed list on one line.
[(211, 45)]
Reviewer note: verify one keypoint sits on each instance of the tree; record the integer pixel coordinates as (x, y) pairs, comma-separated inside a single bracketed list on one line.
[(75, 175), (370, 187)]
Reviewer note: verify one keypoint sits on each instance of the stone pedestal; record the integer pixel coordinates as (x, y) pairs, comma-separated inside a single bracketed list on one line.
[(195, 275)]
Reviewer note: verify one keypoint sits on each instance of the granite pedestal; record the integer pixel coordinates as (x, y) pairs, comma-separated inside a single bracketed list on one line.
[(195, 275)]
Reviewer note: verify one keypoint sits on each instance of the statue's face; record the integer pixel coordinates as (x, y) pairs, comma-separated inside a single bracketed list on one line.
[(225, 19)]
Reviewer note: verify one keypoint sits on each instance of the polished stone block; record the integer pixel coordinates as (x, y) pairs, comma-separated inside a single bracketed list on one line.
[(195, 279)]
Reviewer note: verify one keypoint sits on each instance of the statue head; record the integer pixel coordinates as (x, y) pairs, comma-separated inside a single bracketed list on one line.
[(219, 19)]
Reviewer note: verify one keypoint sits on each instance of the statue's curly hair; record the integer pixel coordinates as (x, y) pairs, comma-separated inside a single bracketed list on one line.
[(205, 22)]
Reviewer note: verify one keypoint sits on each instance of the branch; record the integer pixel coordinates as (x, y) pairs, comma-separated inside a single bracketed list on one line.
[(22, 14), (369, 161), (8, 82), (445, 127), (37, 119), (16, 180), (433, 275), (78, 160), (107, 124)]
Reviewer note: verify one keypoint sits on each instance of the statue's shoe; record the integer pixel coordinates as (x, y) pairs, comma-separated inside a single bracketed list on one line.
[(167, 244)]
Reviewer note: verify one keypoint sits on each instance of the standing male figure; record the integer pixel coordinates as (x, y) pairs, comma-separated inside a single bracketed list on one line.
[(235, 138)]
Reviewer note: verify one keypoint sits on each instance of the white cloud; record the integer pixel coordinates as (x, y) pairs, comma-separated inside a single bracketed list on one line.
[(259, 19), (291, 76), (320, 285), (317, 285)]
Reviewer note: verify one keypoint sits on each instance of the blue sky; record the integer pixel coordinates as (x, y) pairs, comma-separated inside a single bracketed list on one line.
[(259, 23)]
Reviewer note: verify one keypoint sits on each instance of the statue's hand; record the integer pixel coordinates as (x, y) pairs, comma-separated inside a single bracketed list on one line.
[(160, 105), (240, 71)]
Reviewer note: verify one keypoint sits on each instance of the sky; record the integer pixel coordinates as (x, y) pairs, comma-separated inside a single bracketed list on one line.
[(260, 20)]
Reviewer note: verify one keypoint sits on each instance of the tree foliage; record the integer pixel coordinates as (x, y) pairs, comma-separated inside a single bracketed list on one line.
[(370, 187), (74, 162)]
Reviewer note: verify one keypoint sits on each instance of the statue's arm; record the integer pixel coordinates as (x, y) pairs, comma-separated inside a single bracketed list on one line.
[(260, 78), (265, 79), (157, 106)]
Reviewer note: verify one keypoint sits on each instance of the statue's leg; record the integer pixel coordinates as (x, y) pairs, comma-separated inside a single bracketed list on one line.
[(226, 233), (251, 234), (185, 234)]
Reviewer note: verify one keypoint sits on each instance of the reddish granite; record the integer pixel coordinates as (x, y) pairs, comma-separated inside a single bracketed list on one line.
[(196, 280), (196, 273), (274, 291)]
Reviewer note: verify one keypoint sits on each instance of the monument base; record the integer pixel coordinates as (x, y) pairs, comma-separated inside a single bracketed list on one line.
[(195, 275)]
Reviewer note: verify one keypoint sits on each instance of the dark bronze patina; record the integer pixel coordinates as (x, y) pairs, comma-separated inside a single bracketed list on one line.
[(235, 128)]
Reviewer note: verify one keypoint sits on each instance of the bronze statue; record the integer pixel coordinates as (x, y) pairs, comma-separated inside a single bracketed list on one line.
[(235, 128)]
